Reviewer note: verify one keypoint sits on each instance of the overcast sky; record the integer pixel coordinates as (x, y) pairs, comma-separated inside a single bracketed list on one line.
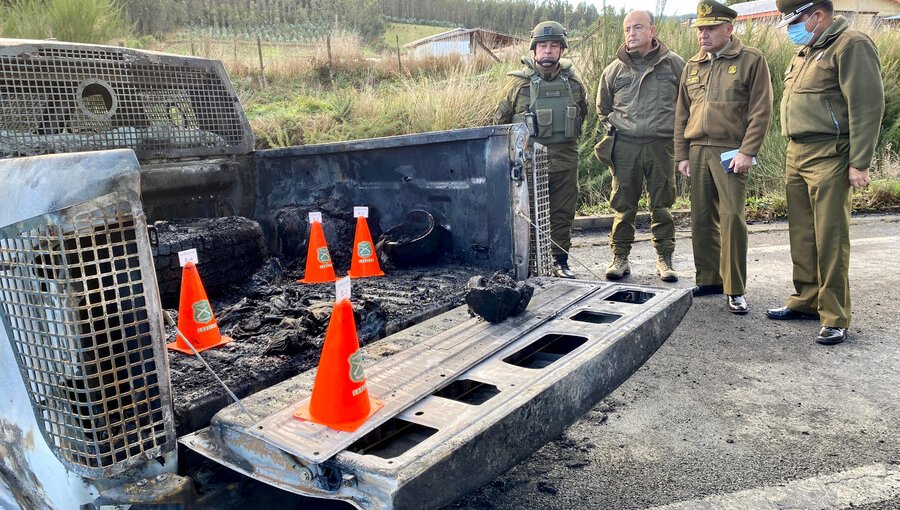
[(671, 6)]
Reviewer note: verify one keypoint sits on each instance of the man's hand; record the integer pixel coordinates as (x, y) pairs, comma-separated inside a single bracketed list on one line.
[(859, 177), (741, 163), (684, 167)]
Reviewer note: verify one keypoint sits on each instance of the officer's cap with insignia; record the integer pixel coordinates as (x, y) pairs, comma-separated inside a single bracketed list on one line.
[(710, 13), (793, 9)]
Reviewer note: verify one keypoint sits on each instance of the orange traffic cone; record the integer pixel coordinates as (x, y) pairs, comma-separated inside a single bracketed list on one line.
[(365, 262), (196, 319), (340, 398), (318, 261)]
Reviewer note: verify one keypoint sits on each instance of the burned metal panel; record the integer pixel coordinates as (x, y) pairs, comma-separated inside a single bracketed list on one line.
[(407, 377), (62, 97), (81, 313), (584, 352), (462, 177), (206, 188), (539, 204), (86, 332)]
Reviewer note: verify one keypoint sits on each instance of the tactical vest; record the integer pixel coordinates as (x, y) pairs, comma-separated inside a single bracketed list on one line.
[(553, 106)]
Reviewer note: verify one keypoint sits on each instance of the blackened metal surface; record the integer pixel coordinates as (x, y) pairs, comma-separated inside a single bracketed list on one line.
[(461, 177), (474, 442), (63, 97)]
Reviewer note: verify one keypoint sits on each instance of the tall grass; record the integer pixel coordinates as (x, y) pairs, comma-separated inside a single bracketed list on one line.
[(412, 103), (309, 98), (84, 21)]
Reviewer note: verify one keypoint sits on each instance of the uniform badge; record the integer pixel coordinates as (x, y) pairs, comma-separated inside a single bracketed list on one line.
[(704, 9), (732, 69), (694, 72), (693, 79)]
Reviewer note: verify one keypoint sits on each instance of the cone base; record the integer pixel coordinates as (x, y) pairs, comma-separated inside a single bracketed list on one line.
[(351, 274), (374, 406), (187, 350), (304, 280)]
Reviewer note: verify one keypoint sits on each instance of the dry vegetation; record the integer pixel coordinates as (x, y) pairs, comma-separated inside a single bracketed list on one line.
[(307, 97)]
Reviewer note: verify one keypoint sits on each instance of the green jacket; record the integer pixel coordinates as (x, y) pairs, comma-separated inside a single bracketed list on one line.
[(517, 91), (834, 90), (637, 94), (725, 102)]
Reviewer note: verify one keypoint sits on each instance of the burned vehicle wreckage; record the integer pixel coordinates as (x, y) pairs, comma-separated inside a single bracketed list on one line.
[(112, 161)]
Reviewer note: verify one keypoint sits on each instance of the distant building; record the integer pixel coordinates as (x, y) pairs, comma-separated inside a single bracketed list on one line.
[(462, 42), (765, 10)]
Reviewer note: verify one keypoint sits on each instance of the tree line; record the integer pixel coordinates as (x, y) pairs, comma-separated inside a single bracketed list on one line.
[(508, 16), (313, 18)]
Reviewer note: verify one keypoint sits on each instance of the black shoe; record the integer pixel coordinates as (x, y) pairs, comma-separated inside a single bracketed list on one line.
[(737, 304), (831, 336), (561, 267), (708, 290), (786, 314)]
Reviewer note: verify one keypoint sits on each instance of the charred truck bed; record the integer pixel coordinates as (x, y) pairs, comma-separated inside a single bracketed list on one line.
[(457, 176), (112, 161)]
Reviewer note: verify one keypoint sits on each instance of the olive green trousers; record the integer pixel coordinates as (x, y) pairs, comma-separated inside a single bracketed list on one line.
[(818, 203), (634, 163), (718, 220), (562, 183)]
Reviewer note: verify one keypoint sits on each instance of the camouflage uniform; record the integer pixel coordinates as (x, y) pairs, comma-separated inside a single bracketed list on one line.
[(562, 150)]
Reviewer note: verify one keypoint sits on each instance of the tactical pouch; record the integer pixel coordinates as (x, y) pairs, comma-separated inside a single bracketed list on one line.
[(603, 151), (545, 122), (530, 121), (571, 122)]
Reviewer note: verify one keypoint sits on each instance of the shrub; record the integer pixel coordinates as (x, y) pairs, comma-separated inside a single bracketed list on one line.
[(84, 21)]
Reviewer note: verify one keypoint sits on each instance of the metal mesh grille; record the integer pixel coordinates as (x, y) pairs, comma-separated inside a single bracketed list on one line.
[(68, 98), (539, 202), (77, 316)]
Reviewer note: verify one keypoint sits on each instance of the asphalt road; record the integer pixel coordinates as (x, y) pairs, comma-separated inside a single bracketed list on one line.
[(738, 411)]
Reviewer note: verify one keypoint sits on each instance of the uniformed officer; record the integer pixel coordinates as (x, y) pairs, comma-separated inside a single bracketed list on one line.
[(831, 111), (549, 88), (724, 103), (636, 102)]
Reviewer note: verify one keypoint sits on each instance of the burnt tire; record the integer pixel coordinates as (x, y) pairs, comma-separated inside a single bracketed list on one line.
[(229, 251)]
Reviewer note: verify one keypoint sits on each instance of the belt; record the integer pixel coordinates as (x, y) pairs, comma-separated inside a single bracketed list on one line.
[(625, 138), (817, 138)]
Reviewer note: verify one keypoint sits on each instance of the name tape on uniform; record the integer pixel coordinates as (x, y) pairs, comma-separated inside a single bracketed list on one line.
[(188, 256)]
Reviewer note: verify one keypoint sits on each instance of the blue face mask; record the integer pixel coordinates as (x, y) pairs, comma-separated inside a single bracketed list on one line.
[(798, 34)]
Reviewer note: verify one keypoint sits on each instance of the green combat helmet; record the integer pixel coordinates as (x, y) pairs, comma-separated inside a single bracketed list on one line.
[(549, 31)]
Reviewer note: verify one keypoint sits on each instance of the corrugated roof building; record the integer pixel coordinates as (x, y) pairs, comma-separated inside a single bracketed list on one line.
[(462, 42)]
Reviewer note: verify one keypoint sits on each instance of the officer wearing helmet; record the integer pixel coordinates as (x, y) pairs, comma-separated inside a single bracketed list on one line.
[(831, 112), (548, 88)]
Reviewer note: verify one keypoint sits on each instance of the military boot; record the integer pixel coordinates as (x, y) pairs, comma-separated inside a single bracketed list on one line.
[(561, 267), (618, 267), (665, 269)]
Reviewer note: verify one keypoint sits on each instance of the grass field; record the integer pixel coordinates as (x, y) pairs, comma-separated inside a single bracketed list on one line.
[(408, 33)]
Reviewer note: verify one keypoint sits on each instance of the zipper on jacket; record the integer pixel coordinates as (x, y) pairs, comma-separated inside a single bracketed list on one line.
[(834, 120)]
